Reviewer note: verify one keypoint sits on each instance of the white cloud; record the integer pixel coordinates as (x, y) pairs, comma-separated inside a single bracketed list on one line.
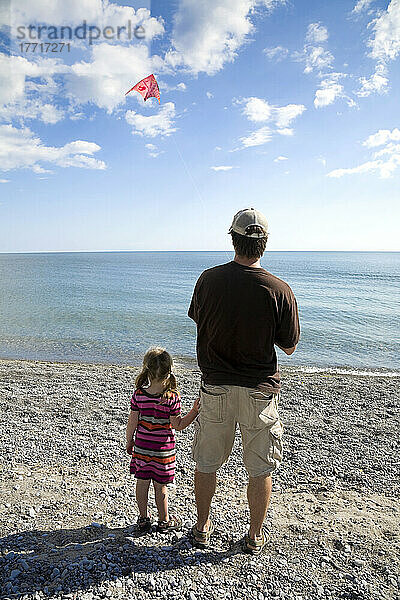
[(381, 137), (389, 150), (328, 92), (385, 44), (280, 158), (316, 33), (77, 116), (317, 58), (28, 89), (222, 168), (19, 148), (385, 166), (361, 6), (14, 71), (378, 82), (4, 181), (314, 54), (50, 114), (284, 115), (56, 11), (153, 150), (385, 47), (257, 138), (31, 109), (258, 110), (166, 87), (161, 123), (208, 34), (285, 131), (277, 53)]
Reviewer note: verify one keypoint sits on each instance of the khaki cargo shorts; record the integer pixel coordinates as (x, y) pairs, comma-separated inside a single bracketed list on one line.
[(222, 407)]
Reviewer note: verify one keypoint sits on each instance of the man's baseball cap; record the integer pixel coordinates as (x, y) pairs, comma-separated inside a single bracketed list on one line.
[(244, 220)]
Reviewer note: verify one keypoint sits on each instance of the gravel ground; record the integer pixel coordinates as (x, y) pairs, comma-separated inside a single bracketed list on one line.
[(67, 509)]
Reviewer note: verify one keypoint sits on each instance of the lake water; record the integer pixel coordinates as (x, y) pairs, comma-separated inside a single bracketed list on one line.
[(111, 306)]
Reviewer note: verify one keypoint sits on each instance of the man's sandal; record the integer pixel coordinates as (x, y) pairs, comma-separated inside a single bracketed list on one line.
[(173, 524), (201, 539), (254, 546)]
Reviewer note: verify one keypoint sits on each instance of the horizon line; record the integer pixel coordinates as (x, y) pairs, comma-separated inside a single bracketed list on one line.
[(174, 251)]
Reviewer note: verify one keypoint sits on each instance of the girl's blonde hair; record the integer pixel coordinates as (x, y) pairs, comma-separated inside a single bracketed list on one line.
[(157, 364)]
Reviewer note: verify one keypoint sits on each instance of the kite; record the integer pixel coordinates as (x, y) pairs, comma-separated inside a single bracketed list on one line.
[(147, 87)]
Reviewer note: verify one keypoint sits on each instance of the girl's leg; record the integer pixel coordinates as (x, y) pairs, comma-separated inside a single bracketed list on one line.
[(161, 494), (142, 495)]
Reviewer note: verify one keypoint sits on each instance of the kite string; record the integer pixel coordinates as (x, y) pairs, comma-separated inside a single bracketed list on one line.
[(196, 187), (189, 174)]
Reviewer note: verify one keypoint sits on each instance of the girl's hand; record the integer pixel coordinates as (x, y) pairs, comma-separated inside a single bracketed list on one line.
[(196, 405), (129, 447)]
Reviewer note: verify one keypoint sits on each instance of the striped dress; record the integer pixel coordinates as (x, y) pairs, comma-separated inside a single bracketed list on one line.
[(153, 455)]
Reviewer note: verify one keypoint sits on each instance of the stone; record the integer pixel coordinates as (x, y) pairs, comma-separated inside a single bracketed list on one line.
[(14, 573), (358, 562)]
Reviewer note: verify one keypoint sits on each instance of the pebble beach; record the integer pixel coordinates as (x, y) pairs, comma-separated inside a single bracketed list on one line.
[(67, 509)]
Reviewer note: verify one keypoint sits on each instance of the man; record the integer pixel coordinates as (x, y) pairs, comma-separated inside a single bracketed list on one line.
[(241, 312)]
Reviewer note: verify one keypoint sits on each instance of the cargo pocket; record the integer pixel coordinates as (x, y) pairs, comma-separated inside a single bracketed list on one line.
[(212, 403), (264, 409), (276, 446)]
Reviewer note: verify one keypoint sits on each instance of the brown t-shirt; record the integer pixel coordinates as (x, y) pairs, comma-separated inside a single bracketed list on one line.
[(241, 312)]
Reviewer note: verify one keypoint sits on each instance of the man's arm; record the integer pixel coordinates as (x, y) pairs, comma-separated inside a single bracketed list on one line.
[(288, 330), (193, 311), (288, 351)]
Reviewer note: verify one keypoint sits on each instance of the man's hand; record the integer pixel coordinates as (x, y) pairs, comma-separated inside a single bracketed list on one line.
[(129, 447)]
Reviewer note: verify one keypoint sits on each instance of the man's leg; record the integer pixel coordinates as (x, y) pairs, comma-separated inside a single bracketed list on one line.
[(262, 451), (204, 487), (258, 496), (213, 440)]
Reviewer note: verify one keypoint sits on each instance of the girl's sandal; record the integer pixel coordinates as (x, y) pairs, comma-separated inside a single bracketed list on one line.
[(201, 539), (173, 524), (144, 524), (254, 546)]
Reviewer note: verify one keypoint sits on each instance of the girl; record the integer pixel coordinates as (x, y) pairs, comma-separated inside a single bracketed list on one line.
[(155, 413)]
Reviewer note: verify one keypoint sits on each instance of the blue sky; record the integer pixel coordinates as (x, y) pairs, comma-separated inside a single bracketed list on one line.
[(288, 106)]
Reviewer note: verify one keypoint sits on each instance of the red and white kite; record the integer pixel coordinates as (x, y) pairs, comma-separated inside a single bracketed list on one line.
[(147, 87)]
